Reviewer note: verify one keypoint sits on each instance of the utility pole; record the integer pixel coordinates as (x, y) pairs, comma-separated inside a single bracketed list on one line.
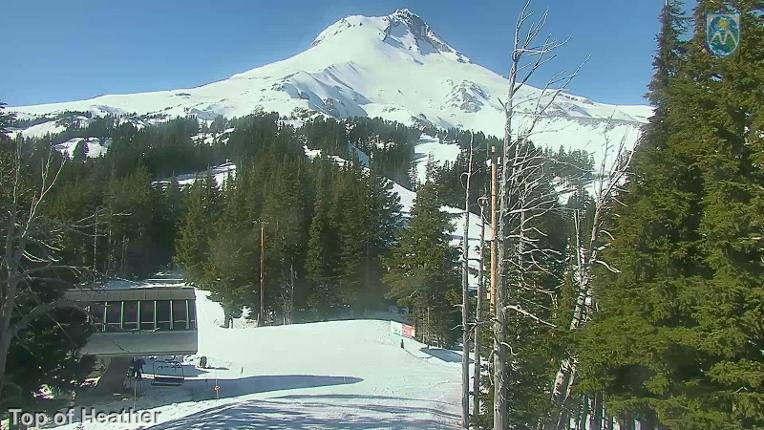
[(261, 319), (465, 300), (494, 222)]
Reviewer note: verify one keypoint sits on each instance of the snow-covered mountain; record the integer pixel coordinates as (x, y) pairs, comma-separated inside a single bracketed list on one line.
[(393, 66)]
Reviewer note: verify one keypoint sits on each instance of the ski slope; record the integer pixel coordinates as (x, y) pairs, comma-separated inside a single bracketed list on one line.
[(440, 153), (219, 174), (329, 375), (430, 147), (93, 146)]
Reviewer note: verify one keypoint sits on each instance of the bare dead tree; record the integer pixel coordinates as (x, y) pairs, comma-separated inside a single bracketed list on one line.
[(465, 293), (479, 311), (609, 181), (521, 198), (31, 243)]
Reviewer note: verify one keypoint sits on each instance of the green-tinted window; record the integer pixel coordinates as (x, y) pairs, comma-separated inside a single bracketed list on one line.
[(163, 315), (130, 315), (147, 315)]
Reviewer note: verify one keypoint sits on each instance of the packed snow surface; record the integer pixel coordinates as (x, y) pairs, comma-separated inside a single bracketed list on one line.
[(93, 147), (395, 67), (330, 375), (219, 174), (431, 147), (40, 130)]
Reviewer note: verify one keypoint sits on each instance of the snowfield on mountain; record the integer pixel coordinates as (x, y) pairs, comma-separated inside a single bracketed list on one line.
[(394, 67), (329, 375)]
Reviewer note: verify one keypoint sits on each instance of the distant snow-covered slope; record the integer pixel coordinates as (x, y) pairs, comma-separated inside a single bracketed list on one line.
[(394, 67), (93, 147)]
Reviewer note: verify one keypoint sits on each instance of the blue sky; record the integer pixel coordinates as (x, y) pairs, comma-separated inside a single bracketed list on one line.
[(75, 49)]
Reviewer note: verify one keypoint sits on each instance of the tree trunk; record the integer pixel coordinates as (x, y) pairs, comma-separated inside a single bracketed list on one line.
[(608, 425), (566, 371), (478, 316), (626, 421), (583, 409), (563, 420), (465, 301), (5, 336), (501, 369), (499, 363), (8, 286), (649, 421), (595, 419)]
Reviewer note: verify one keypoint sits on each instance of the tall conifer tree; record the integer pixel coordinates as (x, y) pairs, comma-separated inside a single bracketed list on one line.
[(423, 269), (678, 338)]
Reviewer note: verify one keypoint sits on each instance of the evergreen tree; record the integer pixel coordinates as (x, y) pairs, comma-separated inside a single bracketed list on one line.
[(41, 350), (669, 52), (46, 352), (285, 212), (323, 297), (423, 270), (5, 120), (192, 243), (383, 222), (173, 211), (80, 153), (132, 233), (231, 270), (678, 338)]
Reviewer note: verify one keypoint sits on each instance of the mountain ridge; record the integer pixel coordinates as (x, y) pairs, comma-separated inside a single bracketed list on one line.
[(393, 66)]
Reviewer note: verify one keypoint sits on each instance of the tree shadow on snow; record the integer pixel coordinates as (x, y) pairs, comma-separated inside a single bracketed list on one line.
[(318, 412), (443, 354), (204, 389)]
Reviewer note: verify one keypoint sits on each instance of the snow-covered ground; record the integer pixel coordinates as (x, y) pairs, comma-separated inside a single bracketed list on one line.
[(331, 375), (39, 130), (220, 174), (429, 146), (93, 147), (211, 137)]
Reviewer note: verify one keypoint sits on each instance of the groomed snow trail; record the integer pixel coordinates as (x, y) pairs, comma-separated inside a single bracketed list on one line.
[(329, 375)]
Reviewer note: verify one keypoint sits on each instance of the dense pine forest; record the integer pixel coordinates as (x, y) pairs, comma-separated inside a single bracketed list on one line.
[(337, 242), (644, 307)]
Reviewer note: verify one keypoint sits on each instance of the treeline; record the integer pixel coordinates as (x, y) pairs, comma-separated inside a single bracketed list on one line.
[(325, 230), (678, 339), (328, 226), (540, 283), (138, 220), (655, 321)]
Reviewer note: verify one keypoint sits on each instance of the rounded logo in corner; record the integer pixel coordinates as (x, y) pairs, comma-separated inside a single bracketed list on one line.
[(723, 33)]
